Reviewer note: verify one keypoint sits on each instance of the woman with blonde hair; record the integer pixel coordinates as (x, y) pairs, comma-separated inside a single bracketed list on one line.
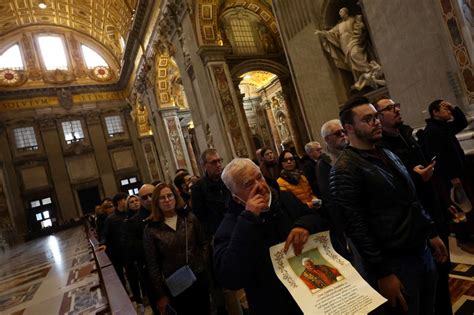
[(176, 247)]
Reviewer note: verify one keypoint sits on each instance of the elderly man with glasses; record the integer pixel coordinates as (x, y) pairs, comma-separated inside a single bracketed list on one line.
[(376, 197), (208, 196)]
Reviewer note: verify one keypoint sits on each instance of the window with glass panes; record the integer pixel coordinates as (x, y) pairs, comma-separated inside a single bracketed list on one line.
[(114, 125), (72, 131), (243, 36), (25, 138)]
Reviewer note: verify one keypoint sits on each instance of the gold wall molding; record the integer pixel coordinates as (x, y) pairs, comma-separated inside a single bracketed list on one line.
[(53, 101)]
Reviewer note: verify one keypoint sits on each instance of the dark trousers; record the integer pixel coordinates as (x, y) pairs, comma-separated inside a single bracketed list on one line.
[(417, 272), (195, 299), (443, 304), (131, 272), (117, 262), (148, 287)]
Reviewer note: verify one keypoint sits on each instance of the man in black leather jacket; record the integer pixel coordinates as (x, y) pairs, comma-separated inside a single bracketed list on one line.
[(383, 216)]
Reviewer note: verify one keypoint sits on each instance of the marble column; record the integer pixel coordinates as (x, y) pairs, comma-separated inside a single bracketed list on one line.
[(11, 189), (235, 127), (189, 146), (59, 175), (140, 156), (104, 163), (288, 97)]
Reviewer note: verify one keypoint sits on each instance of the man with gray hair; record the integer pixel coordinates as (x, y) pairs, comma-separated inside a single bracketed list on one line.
[(336, 140), (257, 218), (308, 164)]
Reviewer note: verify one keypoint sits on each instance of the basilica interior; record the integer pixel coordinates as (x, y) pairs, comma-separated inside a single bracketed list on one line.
[(99, 97)]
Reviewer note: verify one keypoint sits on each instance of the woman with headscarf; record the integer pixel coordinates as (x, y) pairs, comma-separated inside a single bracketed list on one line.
[(291, 179), (269, 167)]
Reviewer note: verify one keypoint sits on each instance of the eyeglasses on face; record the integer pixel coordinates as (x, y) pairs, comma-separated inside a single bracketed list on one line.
[(390, 108), (371, 120), (145, 197), (169, 196), (338, 133), (288, 160), (215, 161)]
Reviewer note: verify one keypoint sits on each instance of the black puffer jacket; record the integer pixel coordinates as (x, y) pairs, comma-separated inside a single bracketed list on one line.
[(378, 202)]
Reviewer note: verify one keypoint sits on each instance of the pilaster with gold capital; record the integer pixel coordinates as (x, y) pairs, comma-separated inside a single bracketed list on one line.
[(235, 122), (175, 137)]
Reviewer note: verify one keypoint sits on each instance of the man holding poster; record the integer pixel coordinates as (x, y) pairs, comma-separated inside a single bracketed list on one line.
[(257, 219)]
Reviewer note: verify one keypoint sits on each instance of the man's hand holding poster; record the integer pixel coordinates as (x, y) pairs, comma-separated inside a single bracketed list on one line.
[(323, 282)]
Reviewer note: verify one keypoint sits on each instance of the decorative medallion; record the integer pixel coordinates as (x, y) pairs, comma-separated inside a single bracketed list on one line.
[(101, 73), (9, 77)]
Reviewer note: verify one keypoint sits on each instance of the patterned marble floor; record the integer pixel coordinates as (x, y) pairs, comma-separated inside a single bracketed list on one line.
[(461, 280), (50, 275)]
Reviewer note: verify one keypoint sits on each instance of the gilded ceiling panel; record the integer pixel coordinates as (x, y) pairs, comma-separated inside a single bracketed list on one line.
[(104, 20), (257, 78)]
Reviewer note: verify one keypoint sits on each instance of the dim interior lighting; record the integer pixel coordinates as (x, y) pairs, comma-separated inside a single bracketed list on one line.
[(42, 5)]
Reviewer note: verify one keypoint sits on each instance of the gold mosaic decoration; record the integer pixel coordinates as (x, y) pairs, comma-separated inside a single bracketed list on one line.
[(103, 20), (257, 78)]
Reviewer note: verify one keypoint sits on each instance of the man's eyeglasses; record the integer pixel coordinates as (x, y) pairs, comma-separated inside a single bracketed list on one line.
[(338, 133), (390, 108), (288, 160), (169, 196), (372, 119), (145, 197), (215, 162)]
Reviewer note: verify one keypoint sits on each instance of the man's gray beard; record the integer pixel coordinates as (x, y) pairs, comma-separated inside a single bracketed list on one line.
[(366, 137)]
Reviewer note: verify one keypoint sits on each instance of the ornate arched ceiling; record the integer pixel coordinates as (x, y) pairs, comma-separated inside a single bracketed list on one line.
[(104, 20), (257, 78), (208, 12)]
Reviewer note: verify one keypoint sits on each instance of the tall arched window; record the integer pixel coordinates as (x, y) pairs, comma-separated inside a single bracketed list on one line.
[(53, 52), (11, 58), (92, 58)]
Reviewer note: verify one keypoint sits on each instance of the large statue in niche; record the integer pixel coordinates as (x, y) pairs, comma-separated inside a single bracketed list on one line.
[(347, 44)]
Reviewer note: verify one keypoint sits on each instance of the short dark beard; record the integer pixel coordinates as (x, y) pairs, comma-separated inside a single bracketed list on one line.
[(365, 137)]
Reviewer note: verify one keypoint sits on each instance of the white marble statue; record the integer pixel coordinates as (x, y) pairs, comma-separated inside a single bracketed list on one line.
[(347, 44)]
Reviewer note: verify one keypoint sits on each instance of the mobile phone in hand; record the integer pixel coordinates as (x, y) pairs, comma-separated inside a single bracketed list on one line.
[(433, 159)]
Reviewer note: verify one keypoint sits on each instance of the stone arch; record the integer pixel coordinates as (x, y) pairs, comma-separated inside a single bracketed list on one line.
[(208, 13), (259, 64)]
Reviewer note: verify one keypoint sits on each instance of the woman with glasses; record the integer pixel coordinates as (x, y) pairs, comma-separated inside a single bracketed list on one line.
[(291, 179), (173, 239)]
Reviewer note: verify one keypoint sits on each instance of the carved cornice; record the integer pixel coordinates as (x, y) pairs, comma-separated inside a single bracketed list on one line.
[(214, 53), (47, 123)]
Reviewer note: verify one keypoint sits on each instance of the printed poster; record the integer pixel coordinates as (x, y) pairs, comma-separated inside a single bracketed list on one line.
[(323, 282)]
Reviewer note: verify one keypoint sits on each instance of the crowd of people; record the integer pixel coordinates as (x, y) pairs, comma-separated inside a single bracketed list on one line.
[(201, 246)]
